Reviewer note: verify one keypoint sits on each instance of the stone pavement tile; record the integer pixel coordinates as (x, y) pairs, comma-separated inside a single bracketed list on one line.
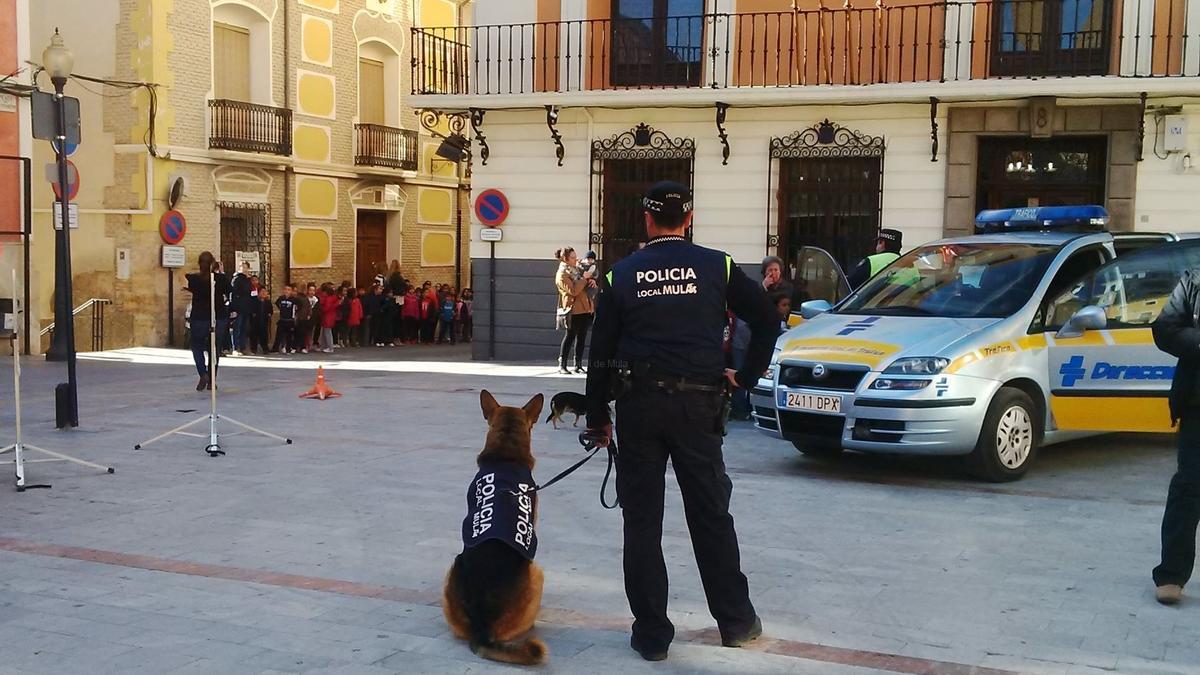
[(214, 667), (410, 662), (1137, 666), (288, 662), (325, 649), (139, 660), (356, 669), (1025, 666)]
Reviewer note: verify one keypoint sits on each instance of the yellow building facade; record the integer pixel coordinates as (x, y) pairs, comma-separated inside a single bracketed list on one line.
[(281, 130)]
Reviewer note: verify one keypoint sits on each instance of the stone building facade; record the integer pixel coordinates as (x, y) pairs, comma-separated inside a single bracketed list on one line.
[(266, 128)]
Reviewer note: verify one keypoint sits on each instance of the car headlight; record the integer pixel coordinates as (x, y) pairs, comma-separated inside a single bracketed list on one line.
[(890, 384), (769, 373), (918, 365)]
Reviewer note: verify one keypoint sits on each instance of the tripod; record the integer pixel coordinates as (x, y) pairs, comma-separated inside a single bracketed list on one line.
[(214, 438), (19, 447)]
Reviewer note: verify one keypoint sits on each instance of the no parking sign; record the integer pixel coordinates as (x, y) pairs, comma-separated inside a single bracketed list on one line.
[(172, 226), (491, 207)]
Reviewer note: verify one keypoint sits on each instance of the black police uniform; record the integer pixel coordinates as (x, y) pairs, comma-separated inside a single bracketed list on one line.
[(661, 314)]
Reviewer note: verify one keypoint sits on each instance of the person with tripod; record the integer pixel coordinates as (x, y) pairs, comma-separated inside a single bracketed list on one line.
[(200, 285)]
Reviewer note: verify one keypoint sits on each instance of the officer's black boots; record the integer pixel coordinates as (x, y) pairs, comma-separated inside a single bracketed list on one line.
[(648, 651), (562, 367), (579, 369), (746, 638)]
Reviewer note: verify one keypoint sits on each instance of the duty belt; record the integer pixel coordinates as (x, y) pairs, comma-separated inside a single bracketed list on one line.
[(674, 384)]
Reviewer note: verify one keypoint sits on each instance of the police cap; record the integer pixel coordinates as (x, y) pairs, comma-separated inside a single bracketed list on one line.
[(894, 237), (668, 198)]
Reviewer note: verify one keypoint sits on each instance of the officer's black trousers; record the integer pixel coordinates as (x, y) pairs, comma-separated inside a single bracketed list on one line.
[(1183, 508), (652, 426)]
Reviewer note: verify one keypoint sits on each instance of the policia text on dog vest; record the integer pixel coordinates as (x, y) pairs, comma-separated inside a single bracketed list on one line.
[(497, 508)]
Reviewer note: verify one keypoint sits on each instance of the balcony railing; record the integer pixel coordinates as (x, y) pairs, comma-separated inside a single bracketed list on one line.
[(249, 127), (936, 41), (378, 145)]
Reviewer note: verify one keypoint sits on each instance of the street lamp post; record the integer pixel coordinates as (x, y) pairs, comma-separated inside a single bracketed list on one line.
[(58, 62)]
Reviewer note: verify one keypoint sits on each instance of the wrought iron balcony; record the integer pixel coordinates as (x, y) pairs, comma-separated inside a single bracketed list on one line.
[(873, 43), (249, 127), (378, 145)]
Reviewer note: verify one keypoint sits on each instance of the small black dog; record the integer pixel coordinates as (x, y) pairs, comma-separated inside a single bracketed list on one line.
[(567, 402)]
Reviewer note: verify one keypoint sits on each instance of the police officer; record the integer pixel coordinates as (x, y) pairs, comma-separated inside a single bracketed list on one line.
[(660, 320), (1177, 332), (887, 250)]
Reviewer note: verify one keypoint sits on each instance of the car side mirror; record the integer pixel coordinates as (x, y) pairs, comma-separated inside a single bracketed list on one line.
[(1087, 318), (814, 308)]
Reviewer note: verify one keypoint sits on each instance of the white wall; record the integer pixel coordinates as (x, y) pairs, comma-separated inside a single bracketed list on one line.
[(504, 39), (1166, 192), (549, 204)]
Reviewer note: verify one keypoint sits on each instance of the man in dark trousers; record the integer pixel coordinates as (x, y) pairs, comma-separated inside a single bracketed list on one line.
[(1177, 332), (887, 250), (660, 321)]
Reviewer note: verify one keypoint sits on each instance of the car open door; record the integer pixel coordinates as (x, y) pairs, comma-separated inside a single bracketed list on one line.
[(1105, 372), (815, 276)]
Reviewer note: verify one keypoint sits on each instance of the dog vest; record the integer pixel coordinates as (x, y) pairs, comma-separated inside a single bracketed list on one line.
[(495, 512)]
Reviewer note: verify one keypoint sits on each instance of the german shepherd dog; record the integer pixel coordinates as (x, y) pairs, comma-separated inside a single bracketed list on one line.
[(567, 402), (493, 590)]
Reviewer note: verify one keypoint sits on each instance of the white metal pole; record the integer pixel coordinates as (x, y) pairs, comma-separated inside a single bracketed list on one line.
[(18, 451), (212, 360)]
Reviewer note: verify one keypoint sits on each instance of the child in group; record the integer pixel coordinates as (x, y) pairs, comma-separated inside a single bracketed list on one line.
[(387, 319), (370, 304), (429, 315), (261, 337), (783, 307), (465, 317), (285, 327), (313, 335), (341, 327), (448, 315), (328, 305), (355, 319), (410, 316), (303, 328)]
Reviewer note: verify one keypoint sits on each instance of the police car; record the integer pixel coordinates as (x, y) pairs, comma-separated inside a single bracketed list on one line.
[(987, 346)]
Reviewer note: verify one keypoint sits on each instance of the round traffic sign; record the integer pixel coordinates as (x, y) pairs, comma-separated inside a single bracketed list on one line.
[(491, 207), (72, 180), (71, 147), (172, 226)]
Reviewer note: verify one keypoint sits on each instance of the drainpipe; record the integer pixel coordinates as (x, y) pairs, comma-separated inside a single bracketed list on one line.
[(458, 246), (288, 173)]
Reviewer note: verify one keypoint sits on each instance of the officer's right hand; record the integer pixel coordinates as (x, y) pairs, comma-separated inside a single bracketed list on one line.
[(601, 437)]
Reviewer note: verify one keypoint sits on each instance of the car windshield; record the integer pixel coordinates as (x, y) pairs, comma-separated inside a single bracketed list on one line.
[(955, 280)]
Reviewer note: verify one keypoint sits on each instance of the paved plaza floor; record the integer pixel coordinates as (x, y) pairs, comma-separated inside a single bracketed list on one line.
[(327, 556)]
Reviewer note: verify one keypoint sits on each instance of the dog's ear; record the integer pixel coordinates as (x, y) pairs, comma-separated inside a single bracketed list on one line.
[(488, 403), (533, 409)]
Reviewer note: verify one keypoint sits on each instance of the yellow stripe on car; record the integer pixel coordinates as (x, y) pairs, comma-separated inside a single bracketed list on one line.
[(1111, 413), (838, 349)]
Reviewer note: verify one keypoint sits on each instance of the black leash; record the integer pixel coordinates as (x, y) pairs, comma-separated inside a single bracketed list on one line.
[(589, 443)]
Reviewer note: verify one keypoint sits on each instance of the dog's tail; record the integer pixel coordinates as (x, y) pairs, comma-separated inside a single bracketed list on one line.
[(550, 416), (529, 652)]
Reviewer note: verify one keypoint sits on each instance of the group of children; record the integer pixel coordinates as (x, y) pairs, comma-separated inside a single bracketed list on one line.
[(324, 318)]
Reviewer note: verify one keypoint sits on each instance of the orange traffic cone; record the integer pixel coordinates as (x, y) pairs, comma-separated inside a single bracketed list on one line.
[(320, 391)]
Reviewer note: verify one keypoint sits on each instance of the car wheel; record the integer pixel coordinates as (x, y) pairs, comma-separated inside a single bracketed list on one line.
[(1009, 439), (823, 451)]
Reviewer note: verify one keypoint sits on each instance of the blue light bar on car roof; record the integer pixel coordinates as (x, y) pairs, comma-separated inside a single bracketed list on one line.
[(1067, 218)]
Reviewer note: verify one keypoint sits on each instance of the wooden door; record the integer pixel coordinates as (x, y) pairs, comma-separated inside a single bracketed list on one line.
[(370, 246), (231, 62)]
